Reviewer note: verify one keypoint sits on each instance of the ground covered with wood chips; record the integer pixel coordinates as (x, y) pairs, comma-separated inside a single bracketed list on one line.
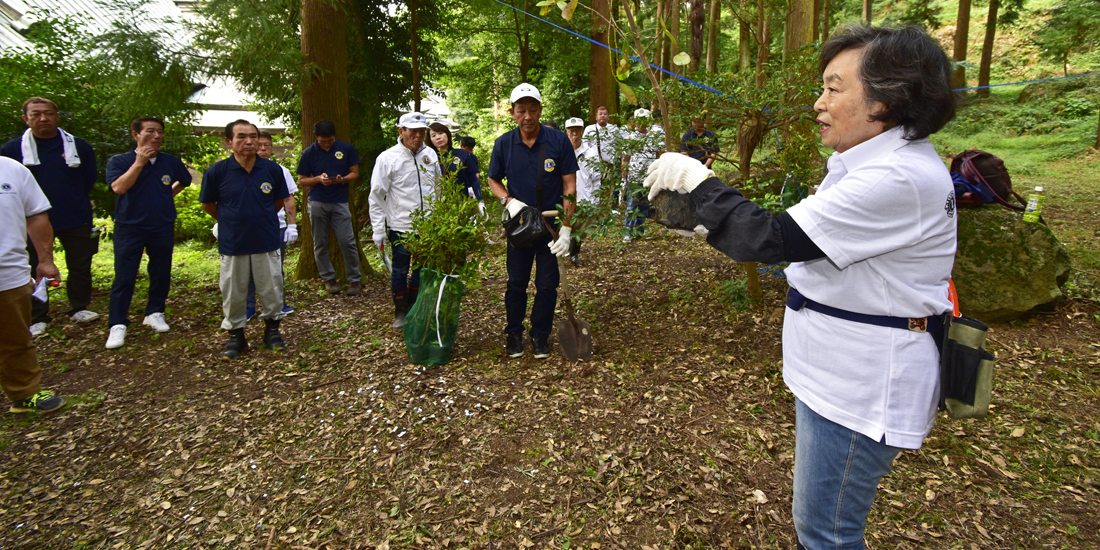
[(678, 434)]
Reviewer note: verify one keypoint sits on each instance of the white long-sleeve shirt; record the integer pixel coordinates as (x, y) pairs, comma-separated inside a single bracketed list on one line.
[(401, 183)]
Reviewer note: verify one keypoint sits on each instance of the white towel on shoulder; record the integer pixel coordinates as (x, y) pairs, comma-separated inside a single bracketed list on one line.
[(30, 149)]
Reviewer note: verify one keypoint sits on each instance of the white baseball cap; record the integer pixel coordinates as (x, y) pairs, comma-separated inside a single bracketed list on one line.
[(525, 90), (413, 120), (574, 122), (639, 113)]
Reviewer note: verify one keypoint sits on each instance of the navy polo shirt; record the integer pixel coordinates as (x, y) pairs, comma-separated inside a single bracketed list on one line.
[(149, 204), (337, 161), (519, 164), (699, 147), (68, 189), (247, 205), (467, 176)]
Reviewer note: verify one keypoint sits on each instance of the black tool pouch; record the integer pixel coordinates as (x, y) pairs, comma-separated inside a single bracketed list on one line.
[(526, 227), (966, 369)]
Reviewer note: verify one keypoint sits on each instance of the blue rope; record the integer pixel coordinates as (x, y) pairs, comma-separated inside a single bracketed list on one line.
[(602, 45)]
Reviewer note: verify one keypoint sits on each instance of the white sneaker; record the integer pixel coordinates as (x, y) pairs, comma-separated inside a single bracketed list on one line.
[(38, 329), (84, 316), (627, 239), (156, 321), (117, 337)]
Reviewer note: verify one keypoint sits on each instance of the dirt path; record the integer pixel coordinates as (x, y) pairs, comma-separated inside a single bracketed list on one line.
[(678, 435)]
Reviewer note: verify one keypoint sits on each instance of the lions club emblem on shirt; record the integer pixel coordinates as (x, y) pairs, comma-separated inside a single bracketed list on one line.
[(426, 160), (339, 155), (265, 187), (166, 180), (549, 165)]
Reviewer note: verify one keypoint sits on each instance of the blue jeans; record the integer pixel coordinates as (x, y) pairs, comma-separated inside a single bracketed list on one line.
[(519, 262), (637, 206), (250, 303), (836, 476), (129, 245), (401, 259)]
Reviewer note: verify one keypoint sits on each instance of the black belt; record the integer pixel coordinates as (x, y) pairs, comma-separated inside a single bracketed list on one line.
[(933, 324)]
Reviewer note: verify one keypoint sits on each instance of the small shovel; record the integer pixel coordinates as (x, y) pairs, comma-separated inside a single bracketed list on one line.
[(574, 335)]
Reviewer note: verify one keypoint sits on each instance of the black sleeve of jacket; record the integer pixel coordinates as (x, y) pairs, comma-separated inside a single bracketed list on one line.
[(747, 233)]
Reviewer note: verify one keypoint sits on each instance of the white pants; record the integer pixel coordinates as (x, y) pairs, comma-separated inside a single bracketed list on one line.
[(266, 271)]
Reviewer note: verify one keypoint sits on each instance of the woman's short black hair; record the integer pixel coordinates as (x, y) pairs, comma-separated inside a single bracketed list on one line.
[(906, 70)]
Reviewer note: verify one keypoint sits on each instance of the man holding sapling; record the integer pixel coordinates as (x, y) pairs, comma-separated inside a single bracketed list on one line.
[(541, 170), (404, 178)]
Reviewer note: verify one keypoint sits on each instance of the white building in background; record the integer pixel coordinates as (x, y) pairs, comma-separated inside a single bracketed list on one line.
[(221, 102), (435, 110)]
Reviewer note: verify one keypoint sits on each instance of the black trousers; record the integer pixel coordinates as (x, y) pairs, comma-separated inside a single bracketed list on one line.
[(79, 248), (547, 277)]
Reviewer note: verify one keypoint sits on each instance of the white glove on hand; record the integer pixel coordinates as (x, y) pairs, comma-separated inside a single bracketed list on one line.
[(679, 173), (215, 231), (514, 206), (561, 246), (291, 233), (379, 241), (481, 208)]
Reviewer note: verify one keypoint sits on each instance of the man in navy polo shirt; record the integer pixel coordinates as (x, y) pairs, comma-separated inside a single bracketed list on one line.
[(699, 143), (244, 193), (525, 156), (326, 168), (65, 168), (146, 182)]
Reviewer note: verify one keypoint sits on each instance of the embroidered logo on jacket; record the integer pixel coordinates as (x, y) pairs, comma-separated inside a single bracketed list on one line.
[(339, 155), (166, 180), (549, 165), (265, 187)]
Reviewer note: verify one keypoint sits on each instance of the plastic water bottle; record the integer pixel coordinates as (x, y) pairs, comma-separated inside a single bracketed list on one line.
[(1034, 205)]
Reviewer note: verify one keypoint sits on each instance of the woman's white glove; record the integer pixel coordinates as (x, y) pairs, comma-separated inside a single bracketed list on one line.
[(215, 231), (514, 206), (291, 233), (561, 246), (679, 173), (379, 241)]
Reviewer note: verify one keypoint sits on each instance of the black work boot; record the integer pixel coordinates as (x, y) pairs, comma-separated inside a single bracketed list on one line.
[(575, 253), (541, 346), (400, 309), (272, 339), (514, 347), (413, 293), (236, 344)]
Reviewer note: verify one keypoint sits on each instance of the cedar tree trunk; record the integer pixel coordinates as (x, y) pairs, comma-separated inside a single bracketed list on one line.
[(987, 47), (962, 34), (712, 35)]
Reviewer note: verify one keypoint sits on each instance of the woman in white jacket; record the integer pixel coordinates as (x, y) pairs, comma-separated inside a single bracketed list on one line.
[(404, 178)]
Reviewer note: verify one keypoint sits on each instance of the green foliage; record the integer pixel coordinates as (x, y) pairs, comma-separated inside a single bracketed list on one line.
[(734, 293), (66, 66), (192, 222), (1071, 28), (449, 236)]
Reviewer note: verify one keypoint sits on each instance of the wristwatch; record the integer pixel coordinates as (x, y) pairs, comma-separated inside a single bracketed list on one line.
[(504, 199)]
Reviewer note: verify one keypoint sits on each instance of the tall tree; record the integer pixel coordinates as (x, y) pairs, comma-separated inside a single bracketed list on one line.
[(962, 34), (987, 47), (696, 23), (800, 25), (325, 96), (763, 42), (817, 20), (744, 36), (867, 11), (826, 24), (714, 19), (674, 29), (600, 84), (414, 38)]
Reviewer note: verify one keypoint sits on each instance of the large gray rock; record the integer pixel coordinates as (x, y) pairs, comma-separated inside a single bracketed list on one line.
[(1005, 266)]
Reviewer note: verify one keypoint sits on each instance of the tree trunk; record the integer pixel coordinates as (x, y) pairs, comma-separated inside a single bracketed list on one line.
[(763, 28), (987, 48), (744, 39), (661, 53), (413, 4), (697, 19), (800, 25), (817, 20), (962, 33), (325, 96), (674, 28), (712, 35), (826, 25), (600, 82), (1098, 132), (867, 11), (613, 93)]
